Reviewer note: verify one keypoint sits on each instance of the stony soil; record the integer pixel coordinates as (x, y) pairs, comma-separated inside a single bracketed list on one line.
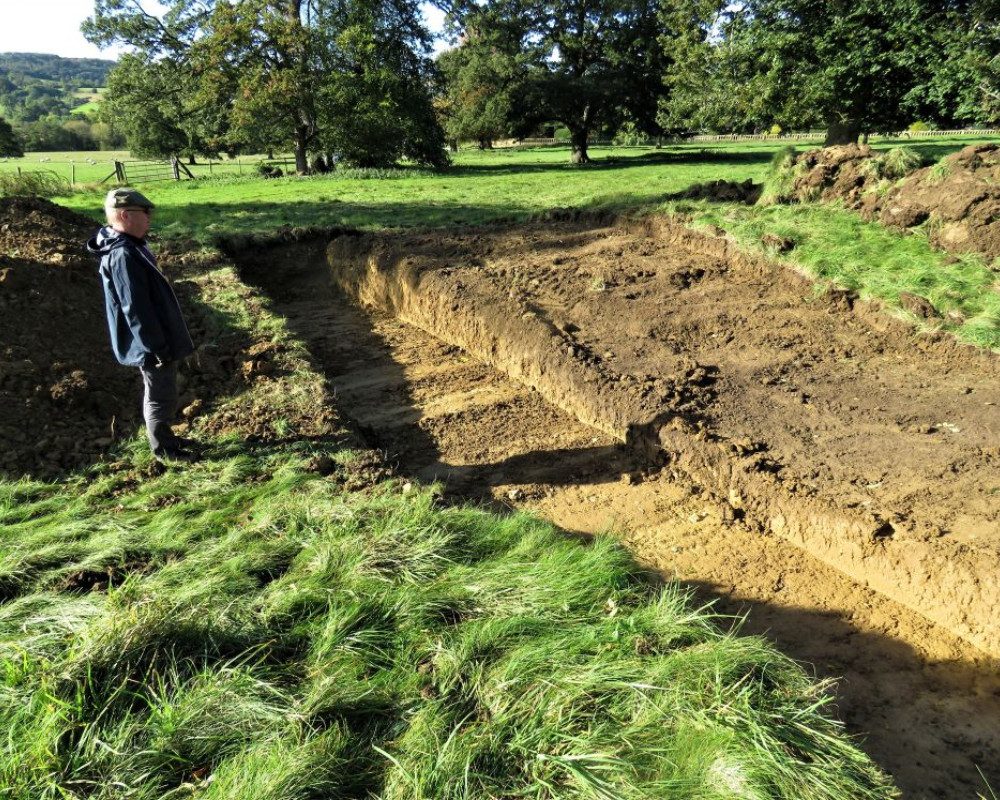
[(925, 702)]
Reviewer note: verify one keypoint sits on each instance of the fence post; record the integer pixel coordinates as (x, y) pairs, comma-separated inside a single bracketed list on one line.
[(72, 175), (175, 168)]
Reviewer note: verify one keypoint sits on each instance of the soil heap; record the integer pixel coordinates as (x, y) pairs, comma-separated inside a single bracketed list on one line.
[(957, 200), (64, 397)]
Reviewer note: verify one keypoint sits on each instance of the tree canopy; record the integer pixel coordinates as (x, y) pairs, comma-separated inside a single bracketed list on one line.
[(10, 147), (851, 66), (584, 63), (345, 76)]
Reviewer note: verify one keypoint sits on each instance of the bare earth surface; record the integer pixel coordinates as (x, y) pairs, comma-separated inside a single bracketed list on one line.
[(926, 702), (804, 415)]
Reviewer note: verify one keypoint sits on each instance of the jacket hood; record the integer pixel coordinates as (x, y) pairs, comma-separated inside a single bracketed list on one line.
[(107, 239)]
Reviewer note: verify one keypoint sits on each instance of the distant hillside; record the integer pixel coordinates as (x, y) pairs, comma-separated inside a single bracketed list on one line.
[(33, 85)]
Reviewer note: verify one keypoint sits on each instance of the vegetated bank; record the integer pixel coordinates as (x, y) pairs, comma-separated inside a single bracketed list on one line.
[(286, 620)]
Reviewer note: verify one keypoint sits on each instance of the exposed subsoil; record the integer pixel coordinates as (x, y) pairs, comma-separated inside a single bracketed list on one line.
[(813, 417), (925, 701)]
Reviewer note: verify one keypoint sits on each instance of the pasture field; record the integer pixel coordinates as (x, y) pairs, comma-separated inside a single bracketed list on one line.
[(514, 184)]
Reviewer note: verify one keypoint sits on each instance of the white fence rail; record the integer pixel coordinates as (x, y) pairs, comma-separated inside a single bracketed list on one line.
[(798, 137)]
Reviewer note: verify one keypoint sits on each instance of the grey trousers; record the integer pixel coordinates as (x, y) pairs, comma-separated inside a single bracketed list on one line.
[(159, 404)]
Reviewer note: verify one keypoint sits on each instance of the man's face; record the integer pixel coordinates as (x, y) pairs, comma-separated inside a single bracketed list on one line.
[(135, 221)]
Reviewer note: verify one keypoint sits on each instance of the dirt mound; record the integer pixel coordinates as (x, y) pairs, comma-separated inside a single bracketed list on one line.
[(65, 399), (823, 422), (37, 230), (834, 173), (63, 395), (957, 200)]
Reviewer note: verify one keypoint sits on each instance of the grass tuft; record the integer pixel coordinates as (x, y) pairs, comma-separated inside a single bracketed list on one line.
[(779, 182), (37, 183)]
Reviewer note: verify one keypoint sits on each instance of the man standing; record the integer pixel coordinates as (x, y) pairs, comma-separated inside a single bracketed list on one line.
[(144, 318)]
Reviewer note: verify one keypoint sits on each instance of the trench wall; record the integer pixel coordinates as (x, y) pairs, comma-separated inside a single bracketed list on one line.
[(960, 595)]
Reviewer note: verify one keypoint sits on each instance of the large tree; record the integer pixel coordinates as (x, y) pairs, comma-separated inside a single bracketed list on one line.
[(481, 85), (851, 66), (586, 62), (10, 147), (153, 94), (286, 73)]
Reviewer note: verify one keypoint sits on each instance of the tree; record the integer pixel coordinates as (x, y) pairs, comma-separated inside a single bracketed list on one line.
[(586, 62), (10, 147), (155, 105), (482, 84), (852, 66), (152, 96), (304, 74)]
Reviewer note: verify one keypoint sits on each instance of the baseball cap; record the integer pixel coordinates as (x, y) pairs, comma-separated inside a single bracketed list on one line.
[(125, 197)]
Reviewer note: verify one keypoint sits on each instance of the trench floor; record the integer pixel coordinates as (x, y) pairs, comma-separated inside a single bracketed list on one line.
[(925, 703)]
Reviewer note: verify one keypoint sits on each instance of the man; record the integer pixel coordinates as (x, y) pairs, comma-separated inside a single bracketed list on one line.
[(144, 318)]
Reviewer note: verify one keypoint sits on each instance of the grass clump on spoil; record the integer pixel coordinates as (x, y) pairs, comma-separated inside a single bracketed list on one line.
[(779, 182), (836, 246), (269, 634), (893, 164)]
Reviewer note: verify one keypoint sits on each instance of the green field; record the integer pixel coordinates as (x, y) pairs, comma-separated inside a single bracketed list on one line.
[(90, 100), (514, 184)]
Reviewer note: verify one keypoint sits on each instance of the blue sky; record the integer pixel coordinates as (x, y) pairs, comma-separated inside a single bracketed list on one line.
[(53, 26)]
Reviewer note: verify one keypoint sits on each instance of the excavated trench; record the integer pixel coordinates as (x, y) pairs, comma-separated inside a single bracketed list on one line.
[(712, 409)]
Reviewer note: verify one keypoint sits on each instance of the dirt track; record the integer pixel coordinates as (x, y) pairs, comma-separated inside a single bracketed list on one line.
[(926, 701)]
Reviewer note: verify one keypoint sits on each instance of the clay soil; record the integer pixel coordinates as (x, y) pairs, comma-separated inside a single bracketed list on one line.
[(741, 433)]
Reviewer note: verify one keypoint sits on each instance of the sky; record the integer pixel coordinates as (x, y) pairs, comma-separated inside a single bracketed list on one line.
[(48, 26), (53, 26)]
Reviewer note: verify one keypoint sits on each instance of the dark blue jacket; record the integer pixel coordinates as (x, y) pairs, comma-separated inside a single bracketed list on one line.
[(144, 317)]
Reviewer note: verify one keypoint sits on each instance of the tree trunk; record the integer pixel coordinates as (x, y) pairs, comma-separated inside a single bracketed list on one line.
[(842, 132), (578, 142), (301, 157)]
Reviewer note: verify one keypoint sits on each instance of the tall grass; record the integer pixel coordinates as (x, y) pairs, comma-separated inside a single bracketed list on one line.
[(39, 183), (320, 643)]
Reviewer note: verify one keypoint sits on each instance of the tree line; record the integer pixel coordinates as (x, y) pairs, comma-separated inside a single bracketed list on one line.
[(355, 80), (38, 95)]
